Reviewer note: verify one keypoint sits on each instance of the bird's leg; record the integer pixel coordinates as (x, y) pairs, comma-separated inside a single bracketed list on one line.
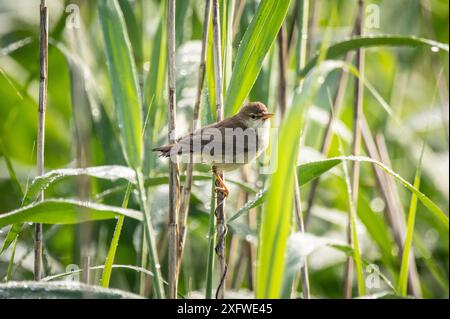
[(221, 187)]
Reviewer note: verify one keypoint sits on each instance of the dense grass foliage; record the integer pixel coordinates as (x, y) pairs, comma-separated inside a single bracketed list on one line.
[(106, 207)]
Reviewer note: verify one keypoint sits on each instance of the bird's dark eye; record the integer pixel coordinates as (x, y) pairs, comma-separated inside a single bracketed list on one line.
[(253, 116)]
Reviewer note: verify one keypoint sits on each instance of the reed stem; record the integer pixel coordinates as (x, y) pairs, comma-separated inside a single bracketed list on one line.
[(186, 194), (174, 180), (211, 242), (43, 58), (220, 209)]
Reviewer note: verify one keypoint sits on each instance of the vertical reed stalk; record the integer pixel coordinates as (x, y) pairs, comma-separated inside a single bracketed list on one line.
[(211, 240), (43, 59), (173, 164), (282, 58), (186, 194), (356, 146), (220, 209)]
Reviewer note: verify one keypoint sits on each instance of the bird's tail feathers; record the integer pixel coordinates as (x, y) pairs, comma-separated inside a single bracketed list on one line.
[(164, 150)]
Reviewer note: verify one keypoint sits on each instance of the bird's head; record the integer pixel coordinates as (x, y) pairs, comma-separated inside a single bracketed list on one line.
[(255, 114)]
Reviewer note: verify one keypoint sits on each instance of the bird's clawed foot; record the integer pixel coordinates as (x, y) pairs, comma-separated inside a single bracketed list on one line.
[(220, 185), (222, 190)]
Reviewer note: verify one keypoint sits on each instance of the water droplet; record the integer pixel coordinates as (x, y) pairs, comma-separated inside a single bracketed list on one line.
[(158, 266), (30, 224), (431, 236), (434, 49), (377, 205)]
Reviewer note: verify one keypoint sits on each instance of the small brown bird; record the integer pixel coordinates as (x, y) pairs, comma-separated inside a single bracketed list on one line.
[(228, 144)]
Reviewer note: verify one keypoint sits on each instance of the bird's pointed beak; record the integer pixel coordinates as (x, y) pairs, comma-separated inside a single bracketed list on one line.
[(267, 116)]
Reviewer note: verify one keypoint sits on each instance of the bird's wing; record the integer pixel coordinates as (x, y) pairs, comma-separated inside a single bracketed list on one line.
[(219, 141)]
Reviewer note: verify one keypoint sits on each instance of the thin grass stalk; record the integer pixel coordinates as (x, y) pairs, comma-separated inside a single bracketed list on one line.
[(186, 194), (293, 31), (228, 13), (301, 51), (406, 256), (106, 276), (398, 215), (356, 149), (220, 209), (237, 17), (43, 60), (353, 231), (211, 242), (143, 282), (173, 164), (151, 247), (282, 60), (313, 26), (11, 260), (303, 29)]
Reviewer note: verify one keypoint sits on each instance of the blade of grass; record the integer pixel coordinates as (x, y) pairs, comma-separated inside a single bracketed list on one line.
[(123, 78), (338, 49), (297, 200), (11, 260), (127, 101), (354, 238), (209, 68), (254, 46), (275, 223), (114, 242), (227, 31), (14, 231), (150, 240), (107, 172), (154, 89), (399, 226), (333, 161), (64, 211), (406, 257)]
